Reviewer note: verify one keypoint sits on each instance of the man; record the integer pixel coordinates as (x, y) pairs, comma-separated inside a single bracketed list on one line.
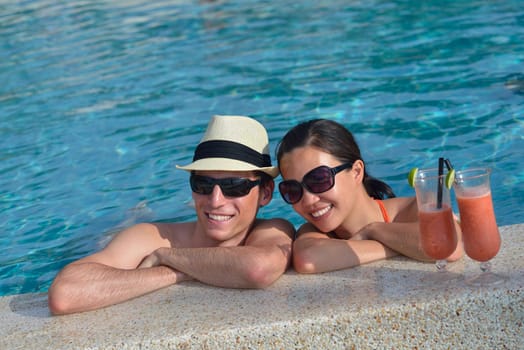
[(227, 246)]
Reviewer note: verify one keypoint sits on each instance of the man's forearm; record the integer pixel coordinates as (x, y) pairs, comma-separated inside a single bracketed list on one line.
[(233, 267), (88, 286)]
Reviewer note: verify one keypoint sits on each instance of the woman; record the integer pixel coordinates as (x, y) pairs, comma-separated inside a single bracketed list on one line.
[(349, 221)]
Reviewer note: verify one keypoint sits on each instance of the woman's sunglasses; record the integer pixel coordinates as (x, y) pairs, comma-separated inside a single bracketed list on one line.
[(318, 180), (230, 187)]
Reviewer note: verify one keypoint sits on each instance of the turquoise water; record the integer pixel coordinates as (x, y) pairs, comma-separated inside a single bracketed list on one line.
[(99, 101)]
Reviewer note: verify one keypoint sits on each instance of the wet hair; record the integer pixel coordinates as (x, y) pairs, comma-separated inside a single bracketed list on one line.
[(333, 138)]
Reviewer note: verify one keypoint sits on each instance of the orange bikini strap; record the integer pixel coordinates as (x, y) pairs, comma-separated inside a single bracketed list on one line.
[(383, 210)]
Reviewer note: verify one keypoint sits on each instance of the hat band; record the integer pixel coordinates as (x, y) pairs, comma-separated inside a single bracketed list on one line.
[(231, 150)]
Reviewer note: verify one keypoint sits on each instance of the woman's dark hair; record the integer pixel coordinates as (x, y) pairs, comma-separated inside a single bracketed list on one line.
[(333, 138)]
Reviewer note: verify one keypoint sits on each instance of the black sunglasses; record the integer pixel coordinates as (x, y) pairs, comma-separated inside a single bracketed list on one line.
[(230, 187), (318, 180)]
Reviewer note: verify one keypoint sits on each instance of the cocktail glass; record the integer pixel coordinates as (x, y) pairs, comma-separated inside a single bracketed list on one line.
[(438, 236), (477, 220)]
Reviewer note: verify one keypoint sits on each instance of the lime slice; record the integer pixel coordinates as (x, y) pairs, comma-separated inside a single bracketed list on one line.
[(450, 178), (411, 176)]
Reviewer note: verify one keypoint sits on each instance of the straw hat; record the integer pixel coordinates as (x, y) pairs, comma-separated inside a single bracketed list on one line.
[(233, 143)]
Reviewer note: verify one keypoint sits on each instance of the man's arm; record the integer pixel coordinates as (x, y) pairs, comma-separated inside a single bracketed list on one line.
[(257, 264), (110, 276), (86, 286), (316, 252)]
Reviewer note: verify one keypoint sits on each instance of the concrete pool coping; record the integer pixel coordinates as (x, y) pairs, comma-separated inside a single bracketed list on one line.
[(397, 303)]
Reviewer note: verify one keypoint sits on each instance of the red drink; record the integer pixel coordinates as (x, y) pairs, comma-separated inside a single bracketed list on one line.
[(437, 232), (479, 227)]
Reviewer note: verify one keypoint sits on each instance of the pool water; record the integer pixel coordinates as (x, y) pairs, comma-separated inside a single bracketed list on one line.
[(99, 101)]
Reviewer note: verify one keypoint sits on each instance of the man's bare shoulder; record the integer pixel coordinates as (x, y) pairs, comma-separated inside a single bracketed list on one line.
[(130, 246), (174, 234), (273, 227)]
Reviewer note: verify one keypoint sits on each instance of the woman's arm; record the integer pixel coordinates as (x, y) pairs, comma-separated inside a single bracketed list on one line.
[(315, 252), (403, 234), (402, 237)]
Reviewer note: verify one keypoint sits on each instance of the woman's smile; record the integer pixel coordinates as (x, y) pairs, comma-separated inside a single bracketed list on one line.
[(317, 214)]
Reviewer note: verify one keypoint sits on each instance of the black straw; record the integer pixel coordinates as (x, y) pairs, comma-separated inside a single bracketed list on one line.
[(440, 182), (448, 164)]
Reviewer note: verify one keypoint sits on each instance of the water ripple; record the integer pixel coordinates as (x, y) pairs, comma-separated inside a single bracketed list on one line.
[(100, 100)]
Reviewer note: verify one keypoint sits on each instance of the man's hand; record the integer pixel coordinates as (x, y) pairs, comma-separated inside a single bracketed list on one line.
[(151, 260), (154, 259)]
